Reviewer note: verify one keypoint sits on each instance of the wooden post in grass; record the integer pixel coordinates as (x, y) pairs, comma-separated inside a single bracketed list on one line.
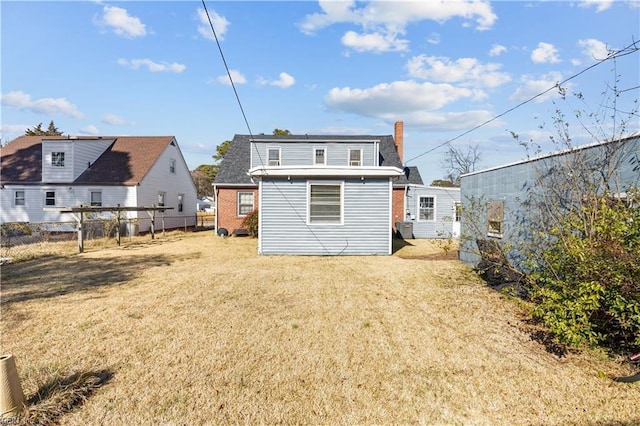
[(80, 233), (11, 395), (118, 225)]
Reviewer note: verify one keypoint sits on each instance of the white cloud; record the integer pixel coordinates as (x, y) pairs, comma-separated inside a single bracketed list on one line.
[(383, 21), (151, 65), (374, 42), (600, 5), (113, 119), (466, 71), (545, 53), (236, 76), (284, 81), (534, 86), (399, 97), (48, 106), (594, 49), (434, 38), (122, 23), (90, 130), (497, 50), (220, 24)]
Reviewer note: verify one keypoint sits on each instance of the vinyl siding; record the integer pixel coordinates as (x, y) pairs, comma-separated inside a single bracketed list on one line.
[(366, 227), (445, 201), (302, 153)]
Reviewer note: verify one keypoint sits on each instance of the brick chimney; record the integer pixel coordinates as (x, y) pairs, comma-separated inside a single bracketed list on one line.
[(398, 135)]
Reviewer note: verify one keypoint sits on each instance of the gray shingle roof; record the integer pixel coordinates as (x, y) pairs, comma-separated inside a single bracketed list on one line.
[(237, 161)]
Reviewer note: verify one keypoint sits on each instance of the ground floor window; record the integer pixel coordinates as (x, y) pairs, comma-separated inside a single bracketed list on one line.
[(19, 198), (427, 208), (50, 198), (245, 203), (325, 203), (180, 204), (96, 199), (495, 217)]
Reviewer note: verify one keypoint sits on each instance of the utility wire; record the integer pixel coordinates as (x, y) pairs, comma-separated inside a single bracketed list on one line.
[(235, 91), (632, 48)]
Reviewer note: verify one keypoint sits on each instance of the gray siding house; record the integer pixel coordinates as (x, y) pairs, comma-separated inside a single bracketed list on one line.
[(495, 201), (315, 195), (433, 212)]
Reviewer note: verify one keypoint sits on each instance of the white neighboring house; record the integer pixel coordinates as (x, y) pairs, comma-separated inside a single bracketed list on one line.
[(432, 212), (40, 175)]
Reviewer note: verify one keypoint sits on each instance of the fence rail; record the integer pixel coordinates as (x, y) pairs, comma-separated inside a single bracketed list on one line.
[(20, 240)]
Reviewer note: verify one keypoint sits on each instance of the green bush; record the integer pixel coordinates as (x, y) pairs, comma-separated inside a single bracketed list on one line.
[(588, 287), (250, 222)]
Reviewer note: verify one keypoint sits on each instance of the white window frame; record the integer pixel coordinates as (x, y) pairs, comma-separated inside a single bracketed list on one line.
[(433, 208), (91, 200), (310, 220), (19, 200), (239, 205), (172, 166), (57, 159), (324, 155), (457, 212), (162, 199), (359, 162), (47, 198), (180, 202), (274, 163)]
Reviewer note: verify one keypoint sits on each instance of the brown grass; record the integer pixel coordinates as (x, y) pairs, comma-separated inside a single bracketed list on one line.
[(194, 329)]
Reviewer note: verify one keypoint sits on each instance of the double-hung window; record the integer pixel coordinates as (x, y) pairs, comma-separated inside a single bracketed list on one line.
[(427, 209), (96, 198), (57, 159), (19, 198), (325, 203), (161, 196), (50, 198), (172, 166), (245, 203), (319, 156), (355, 157), (180, 202), (273, 156)]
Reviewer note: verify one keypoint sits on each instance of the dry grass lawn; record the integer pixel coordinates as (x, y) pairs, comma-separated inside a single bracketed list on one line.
[(192, 329)]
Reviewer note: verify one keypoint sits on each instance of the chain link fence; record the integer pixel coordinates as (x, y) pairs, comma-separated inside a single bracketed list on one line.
[(21, 241)]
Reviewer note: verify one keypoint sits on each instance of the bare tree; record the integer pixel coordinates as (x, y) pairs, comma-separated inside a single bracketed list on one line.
[(458, 161)]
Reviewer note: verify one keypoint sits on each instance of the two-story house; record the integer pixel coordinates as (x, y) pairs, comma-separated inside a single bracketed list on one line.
[(42, 175), (316, 194)]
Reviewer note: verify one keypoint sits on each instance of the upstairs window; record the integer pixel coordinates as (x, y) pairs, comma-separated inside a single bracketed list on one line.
[(355, 157), (57, 159), (50, 198), (19, 198), (172, 166), (427, 208), (320, 156), (245, 203), (273, 155), (325, 203), (96, 199)]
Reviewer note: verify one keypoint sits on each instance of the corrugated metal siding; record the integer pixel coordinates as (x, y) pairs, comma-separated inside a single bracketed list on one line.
[(302, 153), (366, 221), (510, 184)]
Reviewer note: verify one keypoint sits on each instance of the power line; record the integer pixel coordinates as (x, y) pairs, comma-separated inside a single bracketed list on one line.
[(632, 48), (235, 91)]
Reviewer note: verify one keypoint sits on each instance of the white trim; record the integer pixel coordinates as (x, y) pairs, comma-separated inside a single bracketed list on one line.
[(260, 204), (418, 208), (326, 183), (274, 148), (253, 202), (323, 148), (361, 161), (332, 171)]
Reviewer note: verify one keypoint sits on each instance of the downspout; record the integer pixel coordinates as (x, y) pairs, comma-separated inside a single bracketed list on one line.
[(215, 204)]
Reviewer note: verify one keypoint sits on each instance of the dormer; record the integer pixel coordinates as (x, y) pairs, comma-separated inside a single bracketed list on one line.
[(63, 160)]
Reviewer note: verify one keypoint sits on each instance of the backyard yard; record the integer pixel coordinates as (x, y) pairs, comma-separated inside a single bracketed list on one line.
[(193, 329)]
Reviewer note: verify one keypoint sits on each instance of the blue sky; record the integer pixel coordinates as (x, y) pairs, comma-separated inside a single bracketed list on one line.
[(328, 67)]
